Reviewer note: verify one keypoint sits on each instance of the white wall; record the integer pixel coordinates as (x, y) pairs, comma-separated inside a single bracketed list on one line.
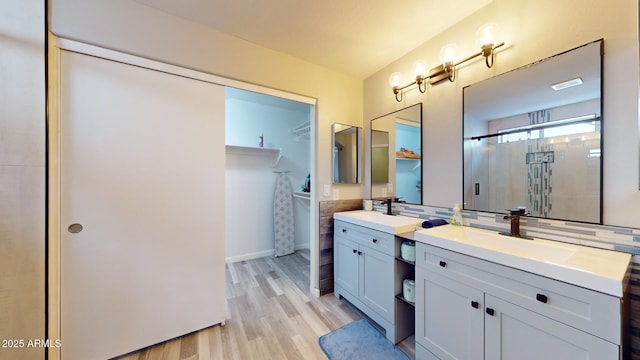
[(250, 181), (532, 30), (22, 176)]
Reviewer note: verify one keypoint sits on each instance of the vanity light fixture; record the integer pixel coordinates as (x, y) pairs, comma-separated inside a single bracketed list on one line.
[(395, 81), (446, 70)]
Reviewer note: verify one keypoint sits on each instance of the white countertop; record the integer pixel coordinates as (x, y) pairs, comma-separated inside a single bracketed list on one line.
[(591, 268), (392, 224)]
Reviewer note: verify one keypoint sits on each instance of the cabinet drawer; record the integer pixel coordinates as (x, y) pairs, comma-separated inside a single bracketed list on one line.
[(587, 310), (371, 238)]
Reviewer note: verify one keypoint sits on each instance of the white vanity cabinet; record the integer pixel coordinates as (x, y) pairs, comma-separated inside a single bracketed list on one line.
[(449, 319), (364, 271), (468, 308)]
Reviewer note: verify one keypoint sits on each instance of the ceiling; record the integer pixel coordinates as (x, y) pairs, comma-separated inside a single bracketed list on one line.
[(356, 37)]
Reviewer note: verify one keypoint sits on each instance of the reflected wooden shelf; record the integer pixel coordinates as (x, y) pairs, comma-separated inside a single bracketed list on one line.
[(273, 153)]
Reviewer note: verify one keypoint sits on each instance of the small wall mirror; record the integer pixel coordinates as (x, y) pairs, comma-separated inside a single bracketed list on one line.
[(347, 154), (396, 160), (532, 138)]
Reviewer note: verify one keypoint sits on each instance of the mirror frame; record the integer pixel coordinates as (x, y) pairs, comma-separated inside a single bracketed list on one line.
[(359, 152), (600, 101), (393, 151)]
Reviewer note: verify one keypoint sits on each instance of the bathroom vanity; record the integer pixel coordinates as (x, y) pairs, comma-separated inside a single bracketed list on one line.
[(366, 271), (480, 295)]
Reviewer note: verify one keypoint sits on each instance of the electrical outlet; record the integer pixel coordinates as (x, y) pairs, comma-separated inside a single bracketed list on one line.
[(327, 190), (336, 194)]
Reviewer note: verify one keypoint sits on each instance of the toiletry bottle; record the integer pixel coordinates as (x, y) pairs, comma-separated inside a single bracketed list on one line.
[(261, 142), (456, 219)]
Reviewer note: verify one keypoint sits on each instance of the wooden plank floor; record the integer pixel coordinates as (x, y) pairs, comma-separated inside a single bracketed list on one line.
[(270, 315)]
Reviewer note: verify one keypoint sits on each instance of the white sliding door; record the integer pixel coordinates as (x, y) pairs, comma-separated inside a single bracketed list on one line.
[(142, 174)]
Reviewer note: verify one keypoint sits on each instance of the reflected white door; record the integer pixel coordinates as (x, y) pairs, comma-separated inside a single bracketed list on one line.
[(142, 177)]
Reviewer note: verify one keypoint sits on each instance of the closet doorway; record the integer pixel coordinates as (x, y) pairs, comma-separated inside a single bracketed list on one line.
[(266, 137)]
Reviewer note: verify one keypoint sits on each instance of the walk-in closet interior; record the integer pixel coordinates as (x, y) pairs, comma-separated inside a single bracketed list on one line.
[(267, 167)]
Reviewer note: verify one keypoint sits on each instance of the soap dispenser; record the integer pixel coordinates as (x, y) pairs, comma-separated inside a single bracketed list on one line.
[(456, 219)]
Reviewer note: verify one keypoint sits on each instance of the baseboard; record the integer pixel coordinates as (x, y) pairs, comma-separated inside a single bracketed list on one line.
[(260, 254), (250, 256), (304, 246)]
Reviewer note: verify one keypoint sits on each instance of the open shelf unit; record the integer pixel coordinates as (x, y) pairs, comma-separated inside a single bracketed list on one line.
[(404, 269), (401, 298)]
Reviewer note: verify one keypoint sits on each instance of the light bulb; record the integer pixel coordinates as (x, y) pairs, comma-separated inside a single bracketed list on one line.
[(487, 34), (448, 54), (419, 69), (395, 79)]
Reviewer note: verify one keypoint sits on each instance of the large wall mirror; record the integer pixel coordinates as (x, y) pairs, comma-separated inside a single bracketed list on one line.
[(396, 160), (532, 138), (347, 154)]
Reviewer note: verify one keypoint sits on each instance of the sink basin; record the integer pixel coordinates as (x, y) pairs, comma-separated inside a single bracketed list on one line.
[(535, 249), (397, 224), (597, 269)]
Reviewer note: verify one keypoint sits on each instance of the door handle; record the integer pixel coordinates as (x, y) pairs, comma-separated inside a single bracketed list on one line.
[(75, 228)]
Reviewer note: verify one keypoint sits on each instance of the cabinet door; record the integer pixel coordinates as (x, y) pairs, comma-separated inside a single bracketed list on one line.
[(346, 259), (376, 282), (515, 333), (449, 317)]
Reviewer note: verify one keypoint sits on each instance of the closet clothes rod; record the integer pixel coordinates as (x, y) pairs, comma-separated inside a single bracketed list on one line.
[(280, 171)]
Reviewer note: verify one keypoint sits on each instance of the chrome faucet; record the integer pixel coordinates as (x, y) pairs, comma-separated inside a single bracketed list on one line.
[(514, 218)]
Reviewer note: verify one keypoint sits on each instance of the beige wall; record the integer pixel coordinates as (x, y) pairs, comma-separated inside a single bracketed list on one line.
[(133, 28), (532, 30), (22, 174)]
